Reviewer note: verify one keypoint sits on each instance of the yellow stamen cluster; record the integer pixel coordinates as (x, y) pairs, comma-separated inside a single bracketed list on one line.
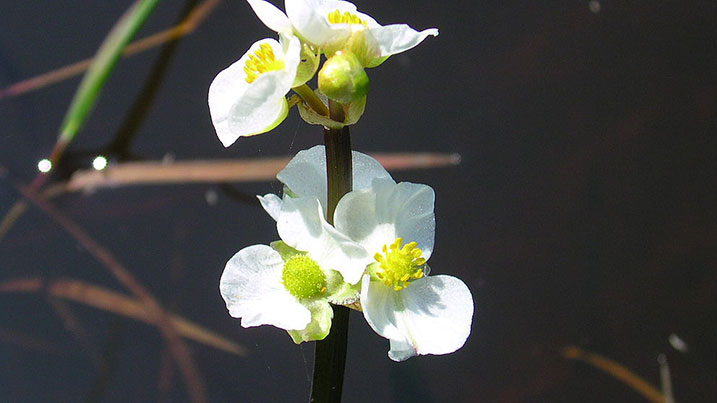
[(336, 17), (260, 62), (398, 265)]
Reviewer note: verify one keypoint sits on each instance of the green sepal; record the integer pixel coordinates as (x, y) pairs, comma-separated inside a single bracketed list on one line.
[(309, 63), (320, 325), (352, 112), (339, 291), (286, 251), (376, 62), (289, 192)]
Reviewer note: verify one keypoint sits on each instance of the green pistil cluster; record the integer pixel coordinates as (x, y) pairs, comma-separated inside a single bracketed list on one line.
[(399, 265), (303, 277)]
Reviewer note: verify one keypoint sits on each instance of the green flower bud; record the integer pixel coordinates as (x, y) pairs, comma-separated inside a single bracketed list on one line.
[(342, 78)]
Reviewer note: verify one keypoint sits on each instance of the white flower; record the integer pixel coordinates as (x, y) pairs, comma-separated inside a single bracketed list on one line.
[(248, 97), (418, 314), (332, 25), (300, 215), (425, 315), (283, 287)]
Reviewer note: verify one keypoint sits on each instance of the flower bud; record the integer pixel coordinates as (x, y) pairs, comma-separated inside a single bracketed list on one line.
[(342, 78)]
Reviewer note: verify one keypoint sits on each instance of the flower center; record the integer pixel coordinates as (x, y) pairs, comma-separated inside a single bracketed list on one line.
[(260, 62), (303, 277), (399, 265), (336, 17)]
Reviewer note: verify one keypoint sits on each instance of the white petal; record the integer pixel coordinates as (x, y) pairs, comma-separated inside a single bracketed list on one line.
[(366, 169), (305, 175), (242, 109), (271, 16), (261, 108), (376, 216), (432, 316), (379, 308), (291, 46), (252, 289), (302, 226), (438, 314), (310, 20), (398, 38), (227, 87), (272, 204), (400, 350)]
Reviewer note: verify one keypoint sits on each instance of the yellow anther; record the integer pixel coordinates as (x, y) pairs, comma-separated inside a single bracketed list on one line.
[(399, 264), (336, 17), (260, 62)]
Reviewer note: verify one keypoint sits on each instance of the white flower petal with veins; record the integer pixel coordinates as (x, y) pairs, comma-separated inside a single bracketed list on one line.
[(399, 38), (309, 20), (271, 204), (241, 108), (271, 16), (418, 314), (378, 215), (302, 226), (305, 175), (252, 288), (431, 316)]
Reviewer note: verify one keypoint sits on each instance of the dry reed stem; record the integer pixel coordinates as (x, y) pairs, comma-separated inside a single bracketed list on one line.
[(112, 301), (179, 349), (618, 371), (213, 171), (193, 20)]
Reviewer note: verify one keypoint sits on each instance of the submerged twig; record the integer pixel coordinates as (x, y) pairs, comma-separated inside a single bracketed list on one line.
[(73, 325), (665, 379), (179, 349), (245, 170), (31, 342), (210, 171), (11, 217), (617, 370), (117, 303)]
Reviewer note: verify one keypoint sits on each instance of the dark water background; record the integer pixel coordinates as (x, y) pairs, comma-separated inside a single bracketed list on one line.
[(583, 212)]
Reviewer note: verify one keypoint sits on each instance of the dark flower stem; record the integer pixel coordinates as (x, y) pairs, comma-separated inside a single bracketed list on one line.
[(330, 355)]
